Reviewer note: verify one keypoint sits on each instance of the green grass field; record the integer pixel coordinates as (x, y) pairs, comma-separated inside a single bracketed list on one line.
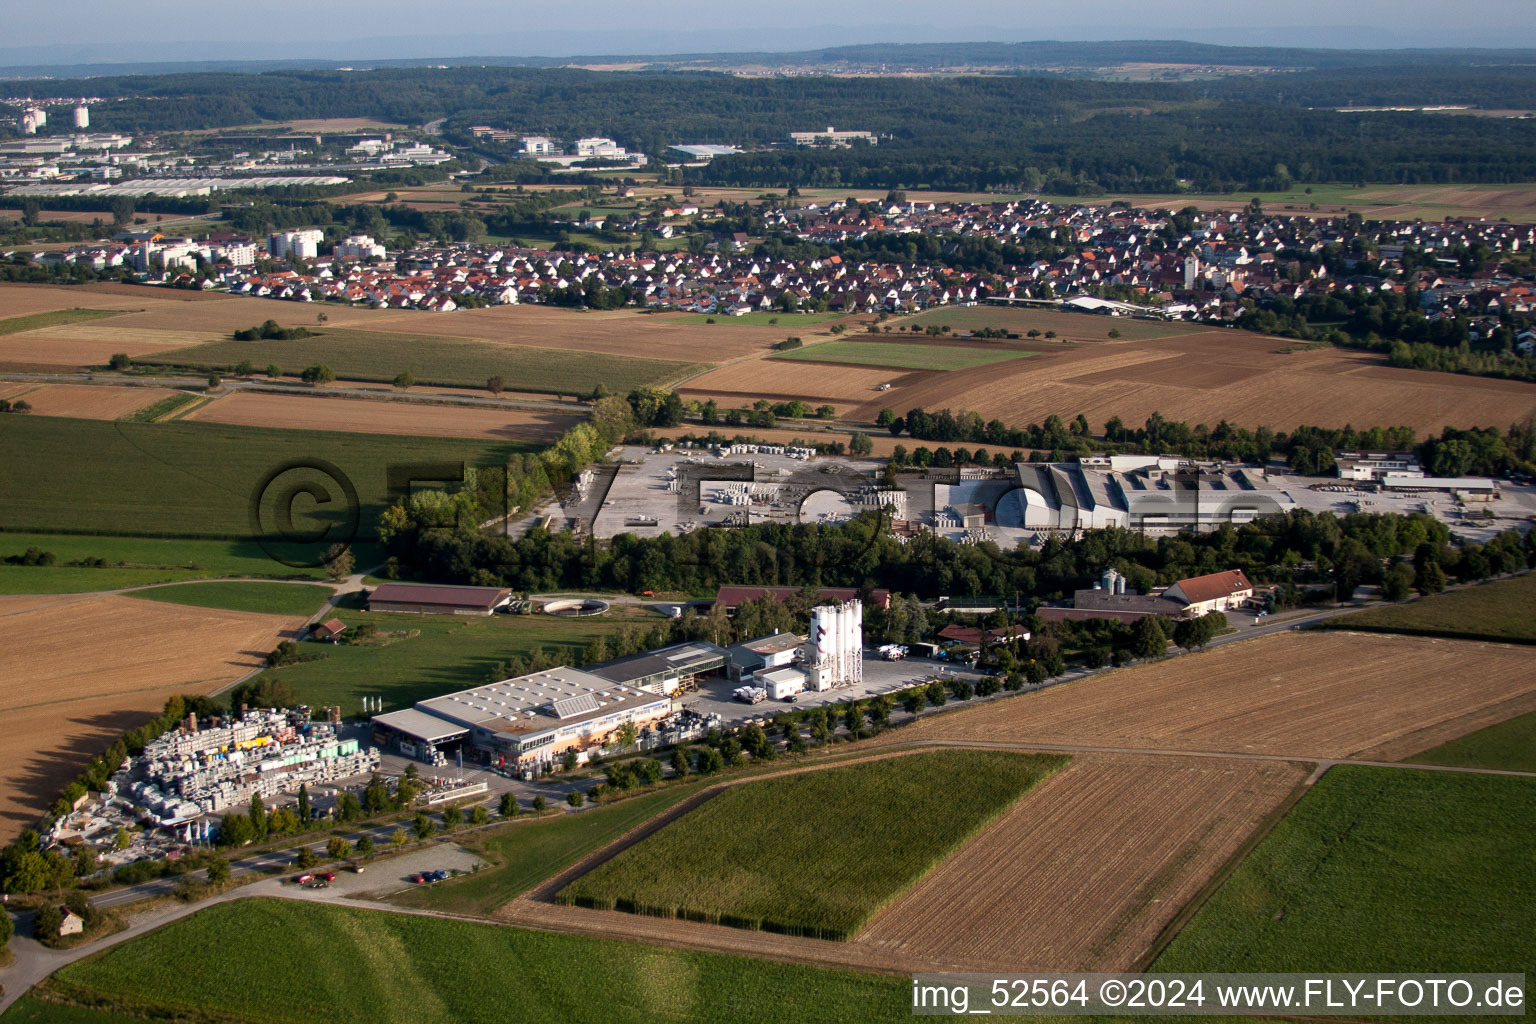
[(525, 854), (30, 1010), (1509, 745), (910, 356), (164, 408), (198, 479), (1067, 325), (816, 853), (1501, 610), (278, 961), (272, 598), (431, 359), (53, 318), (139, 561), (1380, 869), (420, 656)]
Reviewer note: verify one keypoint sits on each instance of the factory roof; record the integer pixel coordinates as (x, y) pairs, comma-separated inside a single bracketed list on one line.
[(417, 724), (776, 643), (536, 701), (680, 659)]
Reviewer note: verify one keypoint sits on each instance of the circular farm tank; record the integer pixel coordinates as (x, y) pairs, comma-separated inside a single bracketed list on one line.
[(575, 607)]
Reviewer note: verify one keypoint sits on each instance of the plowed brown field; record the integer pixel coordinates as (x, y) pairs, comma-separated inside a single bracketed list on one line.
[(79, 669), (1213, 376), (1084, 872), (365, 416), (88, 402), (1322, 695)]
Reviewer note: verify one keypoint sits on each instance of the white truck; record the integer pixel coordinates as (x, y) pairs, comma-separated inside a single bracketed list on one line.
[(750, 694), (893, 652)]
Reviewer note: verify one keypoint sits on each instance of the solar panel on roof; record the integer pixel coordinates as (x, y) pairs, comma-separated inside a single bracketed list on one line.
[(571, 706)]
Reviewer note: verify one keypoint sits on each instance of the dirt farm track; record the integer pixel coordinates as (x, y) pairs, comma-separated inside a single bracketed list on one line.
[(96, 665)]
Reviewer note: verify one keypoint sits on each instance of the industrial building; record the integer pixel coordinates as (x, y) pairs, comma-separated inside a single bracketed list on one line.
[(665, 671), (526, 721), (436, 598), (193, 771), (831, 137), (1214, 592), (1147, 493), (766, 653), (1376, 465), (834, 649)]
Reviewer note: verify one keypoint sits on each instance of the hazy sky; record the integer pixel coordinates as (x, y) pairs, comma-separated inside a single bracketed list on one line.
[(161, 29)]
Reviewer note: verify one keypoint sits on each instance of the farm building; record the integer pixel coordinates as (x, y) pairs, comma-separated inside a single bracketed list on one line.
[(328, 632), (531, 719), (70, 923), (975, 637), (435, 598), (1216, 592), (732, 596)]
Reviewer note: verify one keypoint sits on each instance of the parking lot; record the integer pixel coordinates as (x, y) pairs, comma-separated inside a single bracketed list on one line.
[(714, 695), (384, 876)]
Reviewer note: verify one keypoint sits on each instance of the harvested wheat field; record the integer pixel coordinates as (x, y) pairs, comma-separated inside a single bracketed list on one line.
[(786, 379), (91, 402), (1209, 376), (1300, 694), (616, 332), (24, 299), (1084, 872), (367, 416), (70, 691)]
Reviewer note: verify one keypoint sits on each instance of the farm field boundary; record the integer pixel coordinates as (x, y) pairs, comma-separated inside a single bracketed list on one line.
[(804, 885), (907, 356), (1499, 610)]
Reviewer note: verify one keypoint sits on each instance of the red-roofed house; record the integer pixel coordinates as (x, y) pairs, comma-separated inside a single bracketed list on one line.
[(1216, 592)]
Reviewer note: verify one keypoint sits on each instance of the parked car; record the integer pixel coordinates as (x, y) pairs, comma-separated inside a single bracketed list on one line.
[(329, 876), (419, 879), (301, 879)]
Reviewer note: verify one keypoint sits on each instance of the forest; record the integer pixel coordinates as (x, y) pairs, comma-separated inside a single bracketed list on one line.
[(1000, 131)]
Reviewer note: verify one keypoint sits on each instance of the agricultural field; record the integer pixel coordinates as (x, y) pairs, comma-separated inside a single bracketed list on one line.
[(1397, 202), (75, 689), (903, 356), (525, 853), (737, 384), (368, 416), (196, 479), (52, 318), (420, 970), (293, 599), (1379, 869), (1288, 694), (89, 402), (827, 849), (1215, 375), (1500, 610), (140, 561), (785, 320), (1114, 845), (1020, 320), (413, 657), (432, 359), (1184, 371), (1510, 745)]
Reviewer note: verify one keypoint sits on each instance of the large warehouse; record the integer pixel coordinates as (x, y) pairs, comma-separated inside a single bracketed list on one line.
[(525, 721)]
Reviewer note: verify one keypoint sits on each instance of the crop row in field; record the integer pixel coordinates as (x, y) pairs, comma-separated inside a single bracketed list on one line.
[(198, 479), (52, 318), (423, 970), (903, 356), (1500, 610), (1379, 869), (432, 359), (816, 853)]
